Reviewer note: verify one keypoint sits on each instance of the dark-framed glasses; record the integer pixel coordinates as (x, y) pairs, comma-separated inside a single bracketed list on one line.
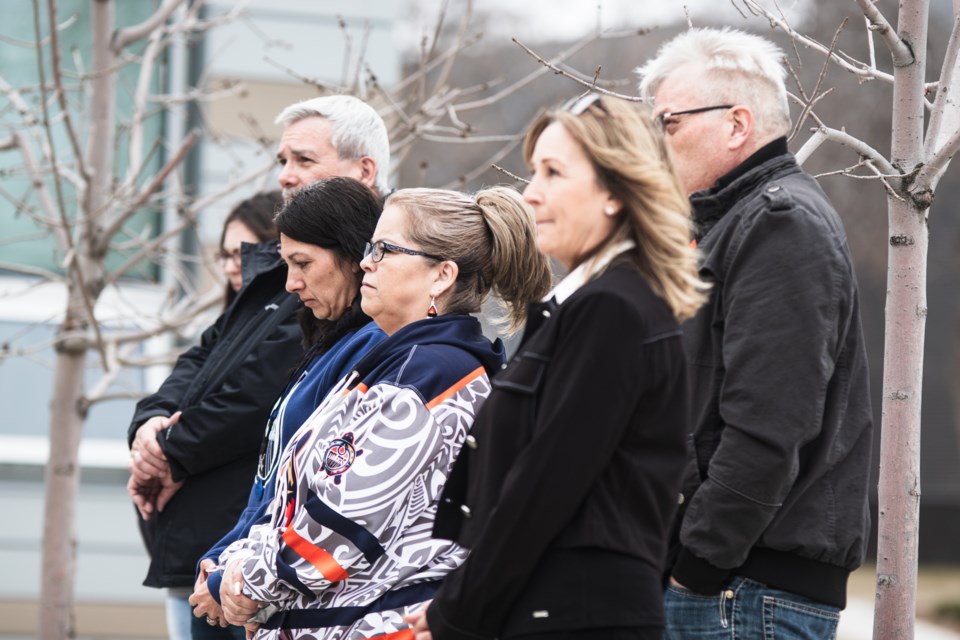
[(376, 251), (229, 256), (663, 119), (578, 104)]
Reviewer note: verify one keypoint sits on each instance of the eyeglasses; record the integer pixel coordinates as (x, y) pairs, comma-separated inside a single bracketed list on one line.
[(376, 251), (578, 104), (229, 256), (663, 119)]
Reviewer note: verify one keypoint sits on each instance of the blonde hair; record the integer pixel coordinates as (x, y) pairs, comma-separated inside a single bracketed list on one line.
[(492, 238), (629, 157), (744, 69)]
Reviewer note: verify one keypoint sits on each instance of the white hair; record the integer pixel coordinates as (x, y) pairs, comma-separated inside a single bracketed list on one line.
[(357, 130), (745, 69)]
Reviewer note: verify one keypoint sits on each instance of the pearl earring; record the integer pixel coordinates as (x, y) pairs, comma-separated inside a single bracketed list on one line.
[(609, 210)]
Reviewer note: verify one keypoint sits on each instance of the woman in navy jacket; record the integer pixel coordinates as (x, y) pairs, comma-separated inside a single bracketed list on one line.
[(324, 227), (566, 494)]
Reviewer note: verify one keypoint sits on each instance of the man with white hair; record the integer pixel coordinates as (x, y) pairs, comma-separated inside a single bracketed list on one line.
[(774, 513), (207, 460)]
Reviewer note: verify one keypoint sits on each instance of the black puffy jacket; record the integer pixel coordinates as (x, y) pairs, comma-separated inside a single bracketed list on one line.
[(225, 388)]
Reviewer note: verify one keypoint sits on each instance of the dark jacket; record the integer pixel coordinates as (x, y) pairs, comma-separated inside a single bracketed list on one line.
[(566, 499), (776, 487), (225, 388)]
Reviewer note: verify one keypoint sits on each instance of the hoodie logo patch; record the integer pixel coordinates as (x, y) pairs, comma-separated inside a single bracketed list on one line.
[(339, 456)]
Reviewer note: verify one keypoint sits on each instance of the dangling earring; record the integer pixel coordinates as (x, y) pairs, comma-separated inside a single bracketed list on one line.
[(432, 310), (609, 210)]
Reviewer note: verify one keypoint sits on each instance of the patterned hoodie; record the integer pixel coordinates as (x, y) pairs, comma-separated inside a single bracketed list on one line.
[(346, 549)]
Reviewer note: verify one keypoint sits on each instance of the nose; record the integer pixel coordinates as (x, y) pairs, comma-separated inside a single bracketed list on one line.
[(288, 177), (367, 264), (293, 283), (531, 193)]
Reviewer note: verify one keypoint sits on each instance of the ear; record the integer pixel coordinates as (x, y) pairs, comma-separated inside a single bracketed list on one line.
[(613, 203), (740, 121), (368, 170), (447, 272)]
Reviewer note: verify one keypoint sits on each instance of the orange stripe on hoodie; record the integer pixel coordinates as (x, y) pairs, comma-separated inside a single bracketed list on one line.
[(464, 381), (316, 556)]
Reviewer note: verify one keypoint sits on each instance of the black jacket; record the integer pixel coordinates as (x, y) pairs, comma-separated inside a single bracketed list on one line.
[(776, 487), (225, 388), (572, 482)]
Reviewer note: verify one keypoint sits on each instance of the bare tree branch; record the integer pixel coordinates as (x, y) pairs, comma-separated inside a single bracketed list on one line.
[(123, 38), (845, 139), (901, 53), (859, 69), (148, 249), (930, 174), (457, 46), (61, 93), (113, 226), (813, 143), (552, 65), (808, 107), (948, 70), (135, 153), (515, 177)]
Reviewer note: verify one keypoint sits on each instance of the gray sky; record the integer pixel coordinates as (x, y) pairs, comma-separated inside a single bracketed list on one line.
[(538, 20)]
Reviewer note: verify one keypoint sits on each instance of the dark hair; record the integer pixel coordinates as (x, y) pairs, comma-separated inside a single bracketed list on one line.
[(255, 213), (338, 214)]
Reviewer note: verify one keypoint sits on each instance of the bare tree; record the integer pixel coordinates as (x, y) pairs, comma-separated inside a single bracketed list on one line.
[(919, 157), (86, 205)]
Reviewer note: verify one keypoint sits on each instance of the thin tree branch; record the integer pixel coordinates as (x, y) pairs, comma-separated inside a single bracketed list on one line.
[(61, 93), (139, 107), (551, 65), (931, 172), (148, 249), (813, 143), (859, 69), (202, 203), (113, 226), (901, 53), (845, 139), (515, 177), (951, 60), (808, 107), (457, 46), (127, 36)]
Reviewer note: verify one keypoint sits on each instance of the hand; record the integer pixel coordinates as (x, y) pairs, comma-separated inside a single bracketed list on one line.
[(674, 582), (418, 623), (237, 608), (153, 494), (147, 459), (204, 604)]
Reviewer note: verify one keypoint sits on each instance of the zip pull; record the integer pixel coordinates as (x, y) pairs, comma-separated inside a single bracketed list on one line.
[(724, 596)]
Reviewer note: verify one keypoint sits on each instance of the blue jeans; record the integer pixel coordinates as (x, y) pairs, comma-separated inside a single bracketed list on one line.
[(746, 610)]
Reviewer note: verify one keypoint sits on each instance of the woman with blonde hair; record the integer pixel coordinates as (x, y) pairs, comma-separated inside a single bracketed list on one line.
[(345, 550), (566, 494)]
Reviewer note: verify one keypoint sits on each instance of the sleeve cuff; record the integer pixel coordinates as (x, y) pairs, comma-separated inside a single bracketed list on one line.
[(698, 575), (214, 581), (440, 629)]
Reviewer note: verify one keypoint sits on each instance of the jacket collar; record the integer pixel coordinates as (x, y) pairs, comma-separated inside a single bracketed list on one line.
[(710, 205), (258, 258), (456, 329), (587, 270)]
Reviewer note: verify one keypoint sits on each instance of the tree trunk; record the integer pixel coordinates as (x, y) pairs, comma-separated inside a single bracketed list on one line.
[(62, 477), (906, 312)]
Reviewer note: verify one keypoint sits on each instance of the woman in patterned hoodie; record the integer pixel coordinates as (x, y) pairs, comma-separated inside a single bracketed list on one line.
[(347, 549)]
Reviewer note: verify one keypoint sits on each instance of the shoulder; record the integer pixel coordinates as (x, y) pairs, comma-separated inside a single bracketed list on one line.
[(437, 370), (619, 300)]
